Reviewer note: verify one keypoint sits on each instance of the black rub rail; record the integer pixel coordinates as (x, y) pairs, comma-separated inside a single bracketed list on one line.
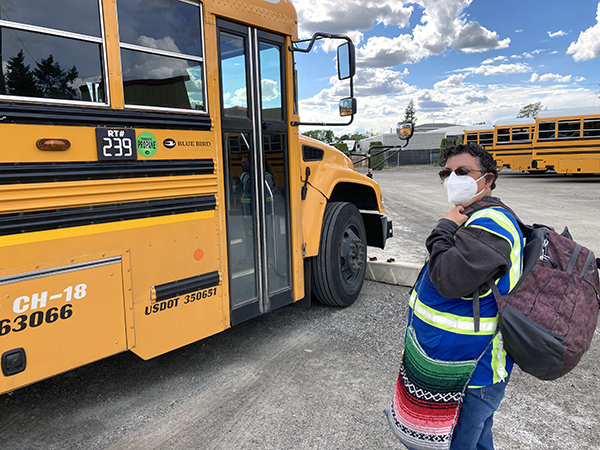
[(17, 173), (27, 222)]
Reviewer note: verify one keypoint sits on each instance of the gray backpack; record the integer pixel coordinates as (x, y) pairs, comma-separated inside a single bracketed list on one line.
[(549, 318)]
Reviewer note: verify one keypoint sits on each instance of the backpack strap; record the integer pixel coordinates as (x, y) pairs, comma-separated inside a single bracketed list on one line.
[(525, 229), (476, 206), (476, 314)]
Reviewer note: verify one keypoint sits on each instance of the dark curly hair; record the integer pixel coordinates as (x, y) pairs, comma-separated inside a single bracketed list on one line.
[(484, 159)]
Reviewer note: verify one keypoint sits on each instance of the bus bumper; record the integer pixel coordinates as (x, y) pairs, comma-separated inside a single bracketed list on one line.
[(379, 228)]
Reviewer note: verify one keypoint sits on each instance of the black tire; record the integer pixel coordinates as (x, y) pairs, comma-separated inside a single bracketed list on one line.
[(338, 271)]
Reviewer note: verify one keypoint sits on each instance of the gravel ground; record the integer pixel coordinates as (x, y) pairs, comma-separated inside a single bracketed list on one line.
[(315, 378)]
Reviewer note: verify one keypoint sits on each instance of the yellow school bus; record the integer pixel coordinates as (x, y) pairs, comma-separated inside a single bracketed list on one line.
[(568, 140), (154, 188), (481, 134), (513, 143)]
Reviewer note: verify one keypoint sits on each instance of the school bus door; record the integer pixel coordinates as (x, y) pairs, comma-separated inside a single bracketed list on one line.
[(254, 123)]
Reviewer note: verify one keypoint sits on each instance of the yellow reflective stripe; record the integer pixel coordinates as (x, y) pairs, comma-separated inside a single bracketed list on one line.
[(502, 221), (499, 359), (451, 322)]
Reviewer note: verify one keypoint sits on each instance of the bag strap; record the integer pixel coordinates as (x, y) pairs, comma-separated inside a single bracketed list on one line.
[(472, 208), (476, 206)]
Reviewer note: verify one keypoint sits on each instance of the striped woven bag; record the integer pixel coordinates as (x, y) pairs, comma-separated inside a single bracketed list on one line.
[(428, 396)]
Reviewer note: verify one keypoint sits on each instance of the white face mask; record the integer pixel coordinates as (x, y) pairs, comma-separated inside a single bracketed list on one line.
[(461, 189)]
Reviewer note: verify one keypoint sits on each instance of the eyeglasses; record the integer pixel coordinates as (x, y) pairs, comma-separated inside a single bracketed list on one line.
[(461, 171)]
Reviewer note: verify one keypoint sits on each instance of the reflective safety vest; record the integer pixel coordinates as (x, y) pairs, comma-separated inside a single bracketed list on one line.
[(445, 326), (246, 199)]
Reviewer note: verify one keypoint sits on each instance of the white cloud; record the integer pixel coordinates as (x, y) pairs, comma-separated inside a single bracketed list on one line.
[(269, 90), (381, 51), (534, 77), (451, 81), (474, 38), (238, 98), (464, 104), (501, 69), (370, 82), (431, 100), (587, 45), (356, 14), (166, 43), (492, 60), (555, 77), (558, 33), (442, 24), (525, 55)]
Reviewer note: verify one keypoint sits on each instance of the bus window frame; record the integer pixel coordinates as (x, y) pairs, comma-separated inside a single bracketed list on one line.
[(472, 138), (525, 131), (568, 130), (488, 141), (168, 54), (55, 32), (539, 131), (506, 132), (588, 130)]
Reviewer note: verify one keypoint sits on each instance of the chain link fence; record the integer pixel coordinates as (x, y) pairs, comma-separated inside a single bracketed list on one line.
[(402, 158)]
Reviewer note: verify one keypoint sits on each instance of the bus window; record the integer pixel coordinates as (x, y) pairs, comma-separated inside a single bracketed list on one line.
[(520, 134), (547, 130), (161, 54), (569, 129), (486, 138), (39, 61), (233, 65), (270, 81), (504, 135), (472, 138), (591, 128)]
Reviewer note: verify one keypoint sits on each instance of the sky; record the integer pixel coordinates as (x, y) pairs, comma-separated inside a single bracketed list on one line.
[(460, 61)]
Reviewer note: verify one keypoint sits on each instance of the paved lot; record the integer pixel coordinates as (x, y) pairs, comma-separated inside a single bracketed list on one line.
[(310, 379), (415, 200)]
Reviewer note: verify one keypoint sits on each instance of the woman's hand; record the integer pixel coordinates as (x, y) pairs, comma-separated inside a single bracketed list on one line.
[(456, 215)]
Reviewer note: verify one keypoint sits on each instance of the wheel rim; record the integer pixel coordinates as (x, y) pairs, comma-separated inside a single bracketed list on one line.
[(352, 253)]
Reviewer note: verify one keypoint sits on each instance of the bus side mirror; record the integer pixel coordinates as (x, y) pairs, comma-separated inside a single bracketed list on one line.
[(345, 61), (347, 106), (405, 130)]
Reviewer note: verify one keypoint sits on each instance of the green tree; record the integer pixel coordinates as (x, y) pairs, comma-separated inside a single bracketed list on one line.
[(321, 135), (446, 143), (376, 161), (409, 113), (357, 136), (530, 110), (343, 147), (19, 77), (53, 81)]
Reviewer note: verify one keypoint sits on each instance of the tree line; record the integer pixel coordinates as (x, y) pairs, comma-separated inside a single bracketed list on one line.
[(47, 80)]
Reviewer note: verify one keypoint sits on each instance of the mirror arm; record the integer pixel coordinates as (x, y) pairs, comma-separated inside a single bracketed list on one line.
[(322, 124), (313, 39)]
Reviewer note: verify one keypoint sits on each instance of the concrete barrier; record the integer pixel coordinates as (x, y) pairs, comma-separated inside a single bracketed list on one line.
[(403, 274)]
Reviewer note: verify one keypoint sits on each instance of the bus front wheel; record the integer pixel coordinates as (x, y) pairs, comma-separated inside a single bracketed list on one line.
[(338, 271)]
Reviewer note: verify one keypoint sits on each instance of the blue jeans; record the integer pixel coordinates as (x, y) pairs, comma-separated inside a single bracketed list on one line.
[(474, 428)]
